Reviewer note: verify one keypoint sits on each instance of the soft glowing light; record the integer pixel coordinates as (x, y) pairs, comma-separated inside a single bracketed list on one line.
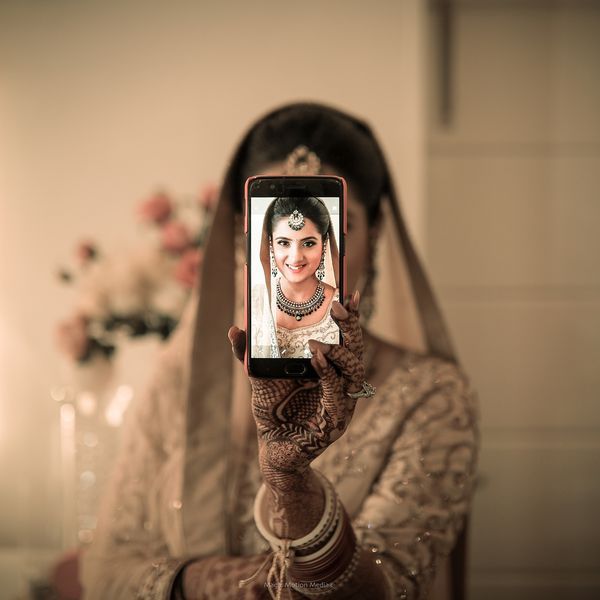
[(86, 404), (67, 420), (87, 479), (58, 393), (90, 439), (86, 536), (118, 405), (67, 449)]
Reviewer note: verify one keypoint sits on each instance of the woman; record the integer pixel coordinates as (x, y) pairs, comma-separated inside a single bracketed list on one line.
[(362, 495), (299, 257)]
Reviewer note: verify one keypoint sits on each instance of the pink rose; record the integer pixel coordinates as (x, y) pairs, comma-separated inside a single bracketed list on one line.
[(85, 252), (157, 208), (175, 237), (72, 337), (186, 270), (209, 195)]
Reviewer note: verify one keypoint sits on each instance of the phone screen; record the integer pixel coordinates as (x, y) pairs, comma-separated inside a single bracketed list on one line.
[(295, 266)]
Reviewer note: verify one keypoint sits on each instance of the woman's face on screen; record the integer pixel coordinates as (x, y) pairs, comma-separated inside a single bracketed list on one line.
[(297, 253), (357, 240)]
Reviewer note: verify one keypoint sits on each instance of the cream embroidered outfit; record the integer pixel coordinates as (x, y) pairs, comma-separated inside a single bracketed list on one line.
[(403, 470), (188, 470)]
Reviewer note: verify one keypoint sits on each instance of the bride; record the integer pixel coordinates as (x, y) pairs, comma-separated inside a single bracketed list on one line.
[(319, 489)]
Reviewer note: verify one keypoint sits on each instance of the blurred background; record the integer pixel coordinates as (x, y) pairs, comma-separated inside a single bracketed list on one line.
[(489, 113)]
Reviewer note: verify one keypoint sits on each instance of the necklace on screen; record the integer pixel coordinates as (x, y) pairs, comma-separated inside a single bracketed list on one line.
[(298, 310)]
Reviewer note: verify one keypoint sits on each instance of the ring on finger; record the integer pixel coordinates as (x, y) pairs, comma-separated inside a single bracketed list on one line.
[(367, 391)]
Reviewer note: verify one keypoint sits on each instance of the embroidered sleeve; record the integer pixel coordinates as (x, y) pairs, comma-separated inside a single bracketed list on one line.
[(129, 557), (419, 503)]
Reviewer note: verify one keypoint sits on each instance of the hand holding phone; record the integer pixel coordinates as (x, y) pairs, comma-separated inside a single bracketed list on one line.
[(298, 419)]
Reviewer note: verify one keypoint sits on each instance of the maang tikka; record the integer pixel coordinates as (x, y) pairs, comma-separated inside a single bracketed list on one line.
[(302, 161), (296, 220)]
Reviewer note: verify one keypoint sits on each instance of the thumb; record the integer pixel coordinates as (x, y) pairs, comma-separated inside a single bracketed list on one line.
[(237, 337)]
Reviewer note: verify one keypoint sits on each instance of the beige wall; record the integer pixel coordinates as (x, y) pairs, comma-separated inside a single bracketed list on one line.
[(102, 101), (512, 230), (99, 104)]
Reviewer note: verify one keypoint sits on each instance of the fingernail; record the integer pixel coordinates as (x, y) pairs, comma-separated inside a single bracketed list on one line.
[(321, 360), (315, 346), (338, 311), (355, 300)]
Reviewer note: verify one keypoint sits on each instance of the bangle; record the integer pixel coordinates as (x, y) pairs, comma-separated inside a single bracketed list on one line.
[(321, 586), (322, 560), (323, 572), (310, 539)]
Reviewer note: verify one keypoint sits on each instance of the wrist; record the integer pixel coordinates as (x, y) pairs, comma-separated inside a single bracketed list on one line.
[(194, 575), (323, 559), (296, 507)]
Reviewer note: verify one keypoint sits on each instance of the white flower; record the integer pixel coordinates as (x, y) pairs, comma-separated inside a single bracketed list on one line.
[(169, 299), (93, 297), (127, 288)]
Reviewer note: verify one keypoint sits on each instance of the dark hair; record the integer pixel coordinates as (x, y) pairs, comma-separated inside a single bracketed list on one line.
[(339, 141), (311, 208)]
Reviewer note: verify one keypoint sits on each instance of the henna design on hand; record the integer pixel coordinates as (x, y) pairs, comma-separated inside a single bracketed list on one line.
[(297, 420)]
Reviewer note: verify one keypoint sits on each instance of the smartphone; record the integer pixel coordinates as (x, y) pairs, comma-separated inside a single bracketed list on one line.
[(295, 268)]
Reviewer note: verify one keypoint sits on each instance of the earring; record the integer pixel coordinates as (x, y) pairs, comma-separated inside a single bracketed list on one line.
[(367, 297), (321, 268), (273, 263)]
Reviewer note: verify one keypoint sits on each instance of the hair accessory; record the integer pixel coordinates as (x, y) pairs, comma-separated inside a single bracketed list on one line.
[(299, 309), (301, 161), (367, 391), (296, 220)]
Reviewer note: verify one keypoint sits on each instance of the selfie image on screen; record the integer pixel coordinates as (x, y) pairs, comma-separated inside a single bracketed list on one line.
[(294, 274)]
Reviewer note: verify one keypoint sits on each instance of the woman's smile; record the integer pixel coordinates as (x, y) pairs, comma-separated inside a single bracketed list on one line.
[(296, 268), (296, 271)]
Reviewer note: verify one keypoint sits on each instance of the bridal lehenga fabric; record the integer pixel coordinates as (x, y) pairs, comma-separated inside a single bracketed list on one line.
[(188, 474)]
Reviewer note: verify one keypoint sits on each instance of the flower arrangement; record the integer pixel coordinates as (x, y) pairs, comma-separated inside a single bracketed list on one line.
[(141, 292)]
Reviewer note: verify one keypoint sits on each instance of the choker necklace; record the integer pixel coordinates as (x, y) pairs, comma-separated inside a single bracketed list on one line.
[(300, 309)]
